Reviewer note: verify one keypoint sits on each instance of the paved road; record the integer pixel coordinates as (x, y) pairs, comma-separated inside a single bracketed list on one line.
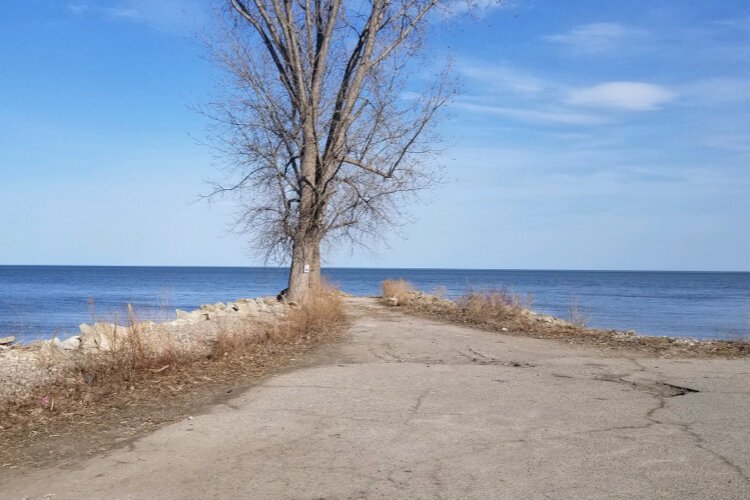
[(409, 408)]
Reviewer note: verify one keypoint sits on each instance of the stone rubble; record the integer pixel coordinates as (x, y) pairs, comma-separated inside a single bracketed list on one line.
[(26, 366)]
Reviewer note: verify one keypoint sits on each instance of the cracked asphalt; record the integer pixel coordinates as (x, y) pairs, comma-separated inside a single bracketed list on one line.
[(405, 407)]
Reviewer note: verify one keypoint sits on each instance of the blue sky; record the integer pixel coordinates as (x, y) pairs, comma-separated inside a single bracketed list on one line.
[(588, 135)]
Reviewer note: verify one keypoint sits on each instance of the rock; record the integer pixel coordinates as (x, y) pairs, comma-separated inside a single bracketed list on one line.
[(178, 323), (101, 336), (189, 316), (392, 301), (50, 347), (248, 308), (504, 329), (270, 301), (7, 340), (71, 344)]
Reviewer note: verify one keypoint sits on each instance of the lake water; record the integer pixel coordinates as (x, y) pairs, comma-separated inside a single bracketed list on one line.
[(39, 301)]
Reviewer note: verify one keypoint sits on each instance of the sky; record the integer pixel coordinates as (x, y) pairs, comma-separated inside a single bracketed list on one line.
[(587, 135)]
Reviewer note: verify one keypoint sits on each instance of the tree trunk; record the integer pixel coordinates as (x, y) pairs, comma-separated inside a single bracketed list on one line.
[(315, 268), (305, 270)]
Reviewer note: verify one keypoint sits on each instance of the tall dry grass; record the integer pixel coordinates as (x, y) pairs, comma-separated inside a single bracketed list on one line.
[(397, 292), (323, 310), (492, 306)]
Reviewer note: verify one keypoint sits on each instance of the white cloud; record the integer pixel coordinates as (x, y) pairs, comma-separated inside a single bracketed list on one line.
[(632, 96), (595, 38), (532, 115)]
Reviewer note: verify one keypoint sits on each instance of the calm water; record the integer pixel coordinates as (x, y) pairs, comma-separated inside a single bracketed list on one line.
[(38, 301)]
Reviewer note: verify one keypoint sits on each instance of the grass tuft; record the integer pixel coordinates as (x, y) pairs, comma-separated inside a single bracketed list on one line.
[(397, 292)]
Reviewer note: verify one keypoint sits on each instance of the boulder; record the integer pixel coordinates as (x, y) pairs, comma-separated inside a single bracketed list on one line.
[(270, 301), (178, 323), (7, 340), (189, 316), (101, 336), (71, 344), (248, 308)]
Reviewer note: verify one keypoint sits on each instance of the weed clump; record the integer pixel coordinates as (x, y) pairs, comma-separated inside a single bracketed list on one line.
[(491, 306), (397, 292)]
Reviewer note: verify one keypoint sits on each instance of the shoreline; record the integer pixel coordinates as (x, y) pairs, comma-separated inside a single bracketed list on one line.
[(501, 312), (408, 407), (270, 304), (37, 302)]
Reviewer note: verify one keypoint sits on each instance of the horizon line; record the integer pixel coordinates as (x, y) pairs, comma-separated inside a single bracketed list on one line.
[(383, 268)]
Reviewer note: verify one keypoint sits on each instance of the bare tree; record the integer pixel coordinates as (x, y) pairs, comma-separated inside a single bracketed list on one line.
[(324, 137)]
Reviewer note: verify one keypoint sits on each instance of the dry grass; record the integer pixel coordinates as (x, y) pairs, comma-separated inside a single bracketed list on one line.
[(397, 292), (140, 378), (501, 311), (492, 306), (323, 309)]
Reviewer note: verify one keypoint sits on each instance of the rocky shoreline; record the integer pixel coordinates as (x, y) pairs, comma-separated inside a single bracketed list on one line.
[(480, 311), (26, 367)]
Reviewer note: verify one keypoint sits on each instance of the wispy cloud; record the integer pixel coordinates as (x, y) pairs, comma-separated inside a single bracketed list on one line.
[(503, 78), (718, 91), (166, 15), (561, 117), (595, 38), (478, 7), (741, 23), (631, 96)]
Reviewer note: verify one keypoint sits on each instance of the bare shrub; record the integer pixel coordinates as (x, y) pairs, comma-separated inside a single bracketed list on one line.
[(397, 292)]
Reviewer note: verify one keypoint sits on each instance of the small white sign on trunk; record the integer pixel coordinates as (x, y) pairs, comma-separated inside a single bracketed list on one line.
[(306, 268)]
